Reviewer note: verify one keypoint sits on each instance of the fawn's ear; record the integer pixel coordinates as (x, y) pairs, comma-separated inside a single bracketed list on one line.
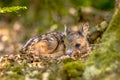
[(85, 29), (67, 30)]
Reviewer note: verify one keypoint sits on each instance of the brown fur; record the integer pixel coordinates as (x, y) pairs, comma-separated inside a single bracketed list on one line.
[(47, 45), (76, 42), (55, 44)]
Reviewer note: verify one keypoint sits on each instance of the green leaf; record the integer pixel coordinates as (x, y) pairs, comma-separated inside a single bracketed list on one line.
[(12, 9)]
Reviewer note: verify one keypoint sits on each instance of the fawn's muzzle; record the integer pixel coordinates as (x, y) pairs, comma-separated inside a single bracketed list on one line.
[(69, 51)]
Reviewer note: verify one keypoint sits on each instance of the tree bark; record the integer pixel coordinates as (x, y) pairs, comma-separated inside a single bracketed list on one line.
[(104, 63)]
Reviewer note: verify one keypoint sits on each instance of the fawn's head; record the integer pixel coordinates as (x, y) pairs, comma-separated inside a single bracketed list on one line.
[(76, 41)]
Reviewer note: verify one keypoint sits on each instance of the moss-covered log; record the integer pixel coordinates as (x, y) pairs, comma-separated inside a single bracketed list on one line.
[(104, 63)]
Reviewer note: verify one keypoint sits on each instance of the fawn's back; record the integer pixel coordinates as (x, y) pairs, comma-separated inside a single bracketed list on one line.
[(47, 45)]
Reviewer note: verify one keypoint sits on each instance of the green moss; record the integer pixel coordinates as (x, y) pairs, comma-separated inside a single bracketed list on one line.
[(103, 5), (107, 54), (17, 69), (72, 70), (103, 60), (51, 77), (109, 50), (67, 60), (16, 76), (12, 77)]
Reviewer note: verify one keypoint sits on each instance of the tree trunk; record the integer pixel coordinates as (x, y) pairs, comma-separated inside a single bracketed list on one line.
[(104, 63)]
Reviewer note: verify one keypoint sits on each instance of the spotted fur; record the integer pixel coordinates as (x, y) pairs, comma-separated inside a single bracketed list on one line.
[(49, 44), (55, 44)]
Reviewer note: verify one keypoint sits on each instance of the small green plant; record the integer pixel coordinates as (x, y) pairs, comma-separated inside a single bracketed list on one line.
[(12, 9)]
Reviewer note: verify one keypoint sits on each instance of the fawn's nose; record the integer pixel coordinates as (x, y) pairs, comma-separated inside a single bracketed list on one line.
[(69, 51)]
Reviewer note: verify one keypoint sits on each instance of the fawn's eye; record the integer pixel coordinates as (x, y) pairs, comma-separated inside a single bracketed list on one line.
[(77, 45)]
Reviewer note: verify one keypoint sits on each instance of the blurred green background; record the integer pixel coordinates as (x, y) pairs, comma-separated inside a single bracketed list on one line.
[(47, 15)]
